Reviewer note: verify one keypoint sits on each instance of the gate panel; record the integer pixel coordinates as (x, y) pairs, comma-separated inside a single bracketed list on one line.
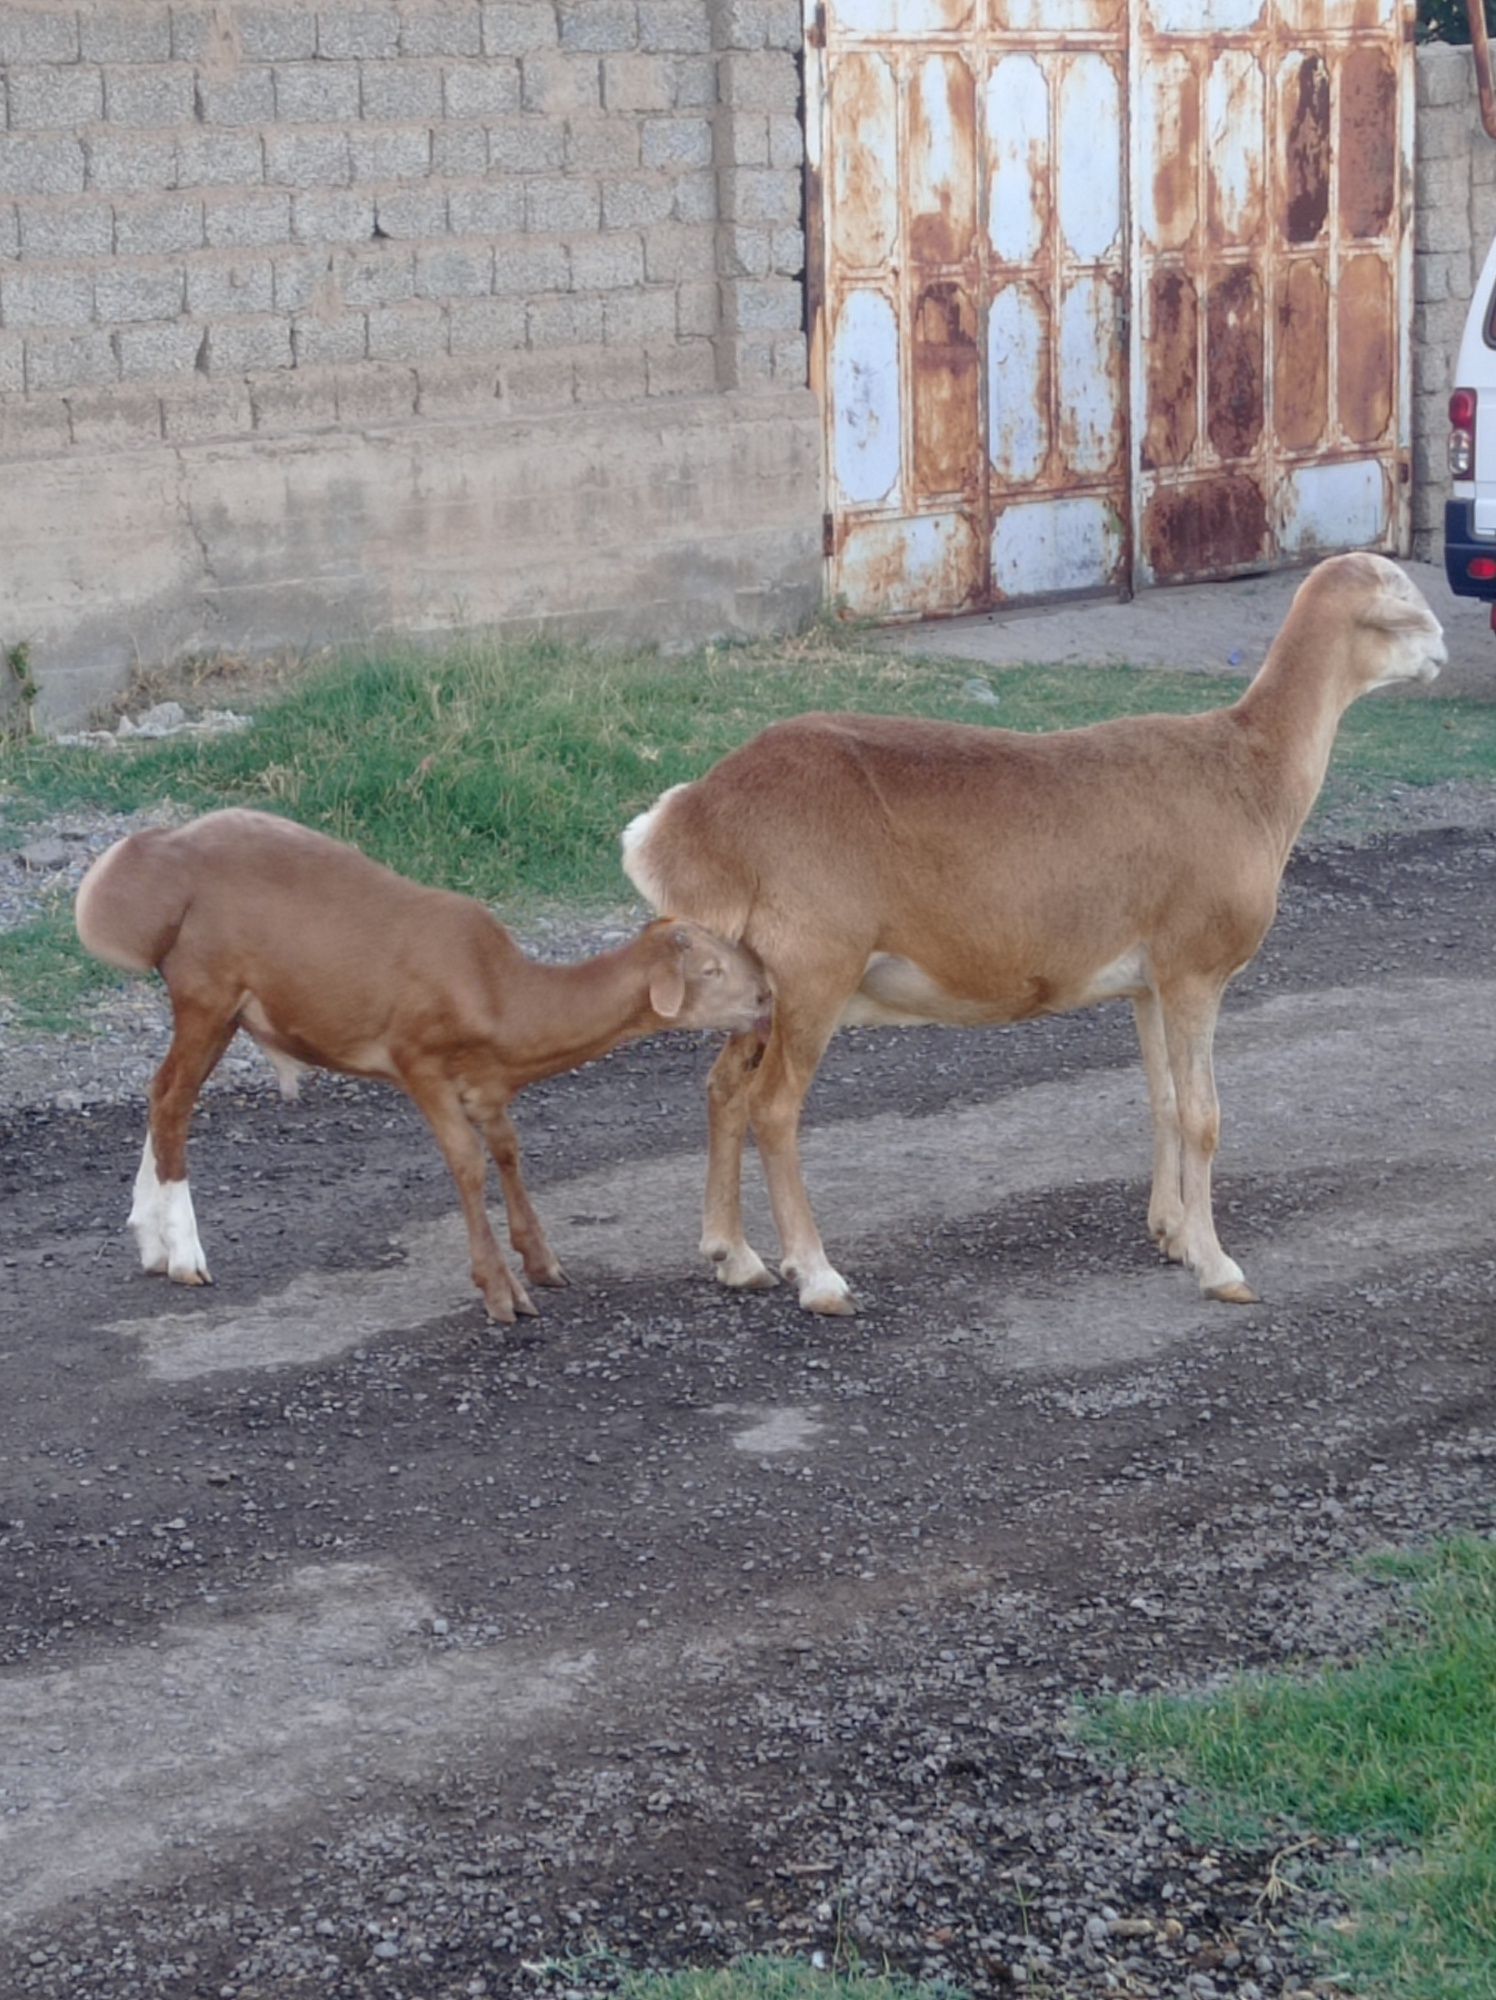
[(998, 425)]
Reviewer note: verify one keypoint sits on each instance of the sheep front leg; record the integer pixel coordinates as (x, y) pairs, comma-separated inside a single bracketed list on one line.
[(803, 1024), (439, 1104), (1166, 1200), (723, 1243), (1189, 1028), (525, 1229)]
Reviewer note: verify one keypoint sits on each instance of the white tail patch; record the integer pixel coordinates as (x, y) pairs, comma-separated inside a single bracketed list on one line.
[(636, 865)]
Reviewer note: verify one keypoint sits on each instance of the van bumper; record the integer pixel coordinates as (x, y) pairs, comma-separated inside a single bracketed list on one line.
[(1460, 545)]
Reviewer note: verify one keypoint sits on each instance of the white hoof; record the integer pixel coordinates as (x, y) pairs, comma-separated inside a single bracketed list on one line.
[(186, 1263), (739, 1266), (822, 1289)]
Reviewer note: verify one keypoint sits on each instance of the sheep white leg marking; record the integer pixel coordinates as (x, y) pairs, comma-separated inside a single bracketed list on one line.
[(146, 1217)]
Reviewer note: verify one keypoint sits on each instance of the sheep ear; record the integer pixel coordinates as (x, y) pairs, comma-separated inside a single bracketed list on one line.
[(667, 988)]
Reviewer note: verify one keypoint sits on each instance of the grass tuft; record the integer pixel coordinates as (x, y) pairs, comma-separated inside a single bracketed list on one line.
[(1399, 1751)]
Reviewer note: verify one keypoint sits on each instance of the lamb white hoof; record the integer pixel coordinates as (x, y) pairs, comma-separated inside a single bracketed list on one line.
[(186, 1263), (150, 1243), (1235, 1293), (188, 1274), (741, 1269), (824, 1291)]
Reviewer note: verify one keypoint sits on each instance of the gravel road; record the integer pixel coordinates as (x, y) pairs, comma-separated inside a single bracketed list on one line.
[(353, 1648)]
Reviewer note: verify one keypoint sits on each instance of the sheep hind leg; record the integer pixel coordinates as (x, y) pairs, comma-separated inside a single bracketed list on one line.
[(723, 1243), (805, 1016), (161, 1213), (439, 1104)]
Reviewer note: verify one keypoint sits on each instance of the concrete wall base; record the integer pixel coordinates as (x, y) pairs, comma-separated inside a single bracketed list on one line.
[(667, 522)]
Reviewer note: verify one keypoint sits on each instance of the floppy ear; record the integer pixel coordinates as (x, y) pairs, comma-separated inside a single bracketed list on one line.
[(667, 985)]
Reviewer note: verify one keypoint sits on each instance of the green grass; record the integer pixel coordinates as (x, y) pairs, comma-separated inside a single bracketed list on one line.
[(1399, 1750), (508, 771), (772, 1979)]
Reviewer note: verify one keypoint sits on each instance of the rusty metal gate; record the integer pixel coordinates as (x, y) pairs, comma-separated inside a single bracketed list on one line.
[(1105, 292)]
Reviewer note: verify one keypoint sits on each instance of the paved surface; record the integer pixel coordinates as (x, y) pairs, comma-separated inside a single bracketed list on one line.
[(1218, 626)]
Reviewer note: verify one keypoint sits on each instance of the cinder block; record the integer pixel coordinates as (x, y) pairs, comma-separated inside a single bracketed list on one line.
[(479, 325), (611, 375), (12, 364), (68, 230), (390, 153), (218, 288), (316, 93), (766, 80), (637, 83), (556, 205), (518, 30), (45, 296), (69, 361), (276, 34), (334, 216), (1442, 229), (606, 263), (538, 381), (789, 252), (757, 24), (743, 139), (695, 198), (459, 151), (755, 194), (307, 280), (526, 145), (158, 228), (698, 308), (307, 159), (481, 90), (54, 98), (41, 165), (111, 418), (220, 159), (243, 97), (318, 342), (413, 212), (142, 35), (238, 345), (636, 203), (134, 294), (786, 142), (693, 83), (134, 163), (402, 90), (443, 31), (149, 352), (371, 33), (407, 332), (526, 267), (236, 222), (762, 305), (637, 317), (10, 231), (676, 145), (598, 27), (744, 252), (149, 98), (674, 27), (203, 34), (1445, 75), (564, 322), (681, 368), (602, 145), (33, 426), (382, 275), (371, 395), (561, 84), (677, 250), (450, 388), (455, 271), (29, 36), (306, 399), (495, 209), (792, 361), (203, 409)]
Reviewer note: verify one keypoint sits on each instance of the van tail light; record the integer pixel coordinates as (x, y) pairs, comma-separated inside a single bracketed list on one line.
[(1462, 434)]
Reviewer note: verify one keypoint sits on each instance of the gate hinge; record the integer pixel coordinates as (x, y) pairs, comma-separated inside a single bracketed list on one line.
[(815, 32), (828, 534)]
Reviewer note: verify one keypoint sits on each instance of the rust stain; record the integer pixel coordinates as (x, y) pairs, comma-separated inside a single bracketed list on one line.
[(943, 235), (1368, 141), (947, 389), (1173, 369), (1306, 152), (1367, 363), (1234, 361), (1210, 526), (1301, 364), (862, 113), (1175, 178)]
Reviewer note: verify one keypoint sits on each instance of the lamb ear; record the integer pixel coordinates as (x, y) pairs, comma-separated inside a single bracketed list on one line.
[(667, 989)]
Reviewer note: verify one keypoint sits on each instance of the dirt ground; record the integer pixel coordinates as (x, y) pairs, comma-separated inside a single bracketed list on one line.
[(353, 1648)]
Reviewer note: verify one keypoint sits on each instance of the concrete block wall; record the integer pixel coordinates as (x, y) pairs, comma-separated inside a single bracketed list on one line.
[(1454, 212), (223, 222)]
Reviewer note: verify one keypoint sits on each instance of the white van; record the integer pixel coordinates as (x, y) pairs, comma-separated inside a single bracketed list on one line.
[(1470, 512)]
